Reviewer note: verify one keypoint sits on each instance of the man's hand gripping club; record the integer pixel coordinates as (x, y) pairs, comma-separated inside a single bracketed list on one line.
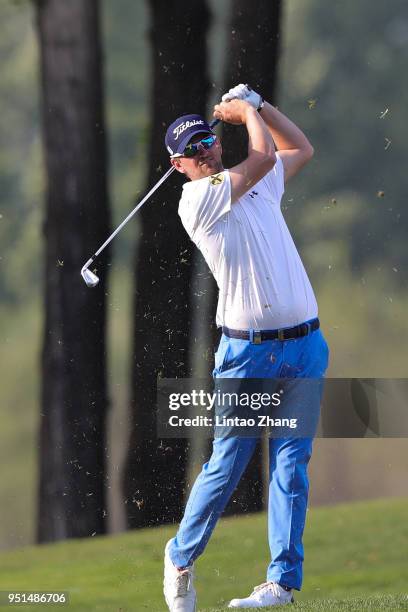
[(244, 92)]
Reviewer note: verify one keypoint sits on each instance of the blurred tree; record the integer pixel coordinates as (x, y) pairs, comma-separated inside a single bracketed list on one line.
[(342, 81), (74, 391), (155, 474), (253, 56)]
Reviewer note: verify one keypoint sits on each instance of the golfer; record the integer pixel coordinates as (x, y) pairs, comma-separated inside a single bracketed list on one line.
[(268, 314)]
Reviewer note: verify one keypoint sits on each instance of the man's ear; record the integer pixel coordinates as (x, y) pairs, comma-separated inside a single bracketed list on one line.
[(177, 165)]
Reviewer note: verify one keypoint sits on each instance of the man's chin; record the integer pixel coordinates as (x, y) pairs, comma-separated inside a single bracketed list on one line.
[(209, 168)]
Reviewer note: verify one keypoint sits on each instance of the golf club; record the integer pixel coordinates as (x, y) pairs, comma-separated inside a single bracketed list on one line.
[(90, 277)]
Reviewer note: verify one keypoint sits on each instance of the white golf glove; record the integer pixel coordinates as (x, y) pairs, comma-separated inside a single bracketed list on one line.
[(244, 92)]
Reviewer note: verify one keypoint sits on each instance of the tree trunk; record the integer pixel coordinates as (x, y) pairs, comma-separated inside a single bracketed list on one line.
[(74, 390), (155, 474), (252, 58)]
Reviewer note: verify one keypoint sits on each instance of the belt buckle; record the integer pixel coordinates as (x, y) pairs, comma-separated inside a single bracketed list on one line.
[(281, 335), (308, 329), (256, 336)]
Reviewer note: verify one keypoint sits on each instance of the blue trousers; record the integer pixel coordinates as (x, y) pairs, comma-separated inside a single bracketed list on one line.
[(305, 357)]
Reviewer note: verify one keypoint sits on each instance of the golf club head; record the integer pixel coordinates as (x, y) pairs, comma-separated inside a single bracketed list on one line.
[(89, 277)]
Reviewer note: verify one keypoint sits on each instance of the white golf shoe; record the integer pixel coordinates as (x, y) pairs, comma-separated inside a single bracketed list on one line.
[(264, 595), (178, 587)]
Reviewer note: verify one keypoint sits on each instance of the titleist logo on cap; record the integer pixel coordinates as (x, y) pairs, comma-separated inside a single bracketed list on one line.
[(179, 129)]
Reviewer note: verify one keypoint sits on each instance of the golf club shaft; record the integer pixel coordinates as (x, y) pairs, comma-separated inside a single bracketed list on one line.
[(130, 215), (134, 211)]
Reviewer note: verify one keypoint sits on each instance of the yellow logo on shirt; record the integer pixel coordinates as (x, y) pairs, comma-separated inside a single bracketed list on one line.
[(216, 179)]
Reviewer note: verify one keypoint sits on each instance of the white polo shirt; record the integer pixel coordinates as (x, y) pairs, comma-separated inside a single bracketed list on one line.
[(248, 248)]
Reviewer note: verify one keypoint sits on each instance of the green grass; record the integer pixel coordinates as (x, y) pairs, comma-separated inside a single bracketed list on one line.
[(355, 560), (354, 604)]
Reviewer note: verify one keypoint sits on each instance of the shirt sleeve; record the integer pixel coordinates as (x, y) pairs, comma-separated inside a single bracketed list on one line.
[(275, 180), (204, 203)]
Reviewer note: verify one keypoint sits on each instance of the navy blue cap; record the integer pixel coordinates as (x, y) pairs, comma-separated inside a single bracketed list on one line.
[(180, 132)]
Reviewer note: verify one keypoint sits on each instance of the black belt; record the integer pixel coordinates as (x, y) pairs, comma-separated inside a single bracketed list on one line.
[(258, 336)]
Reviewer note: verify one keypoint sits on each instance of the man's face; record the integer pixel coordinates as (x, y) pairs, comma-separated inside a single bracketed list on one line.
[(205, 163)]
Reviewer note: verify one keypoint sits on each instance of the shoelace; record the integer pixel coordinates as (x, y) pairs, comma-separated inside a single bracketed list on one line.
[(267, 586), (183, 582)]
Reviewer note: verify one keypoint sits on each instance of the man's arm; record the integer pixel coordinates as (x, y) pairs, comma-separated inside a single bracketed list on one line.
[(261, 149), (294, 148)]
